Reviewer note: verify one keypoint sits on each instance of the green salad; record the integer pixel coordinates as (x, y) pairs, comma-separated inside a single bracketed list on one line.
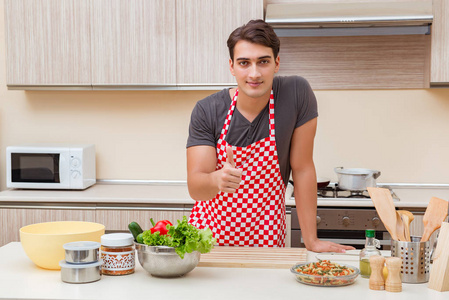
[(183, 236)]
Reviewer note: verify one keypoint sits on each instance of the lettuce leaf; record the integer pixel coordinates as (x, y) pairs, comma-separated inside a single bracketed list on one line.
[(184, 237)]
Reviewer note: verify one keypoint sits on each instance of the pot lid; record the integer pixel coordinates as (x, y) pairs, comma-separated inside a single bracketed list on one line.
[(355, 171)]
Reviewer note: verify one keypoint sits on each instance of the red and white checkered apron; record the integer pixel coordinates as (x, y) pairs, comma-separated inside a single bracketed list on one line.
[(255, 214)]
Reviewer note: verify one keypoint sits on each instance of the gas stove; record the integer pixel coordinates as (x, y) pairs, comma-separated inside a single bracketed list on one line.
[(332, 191)]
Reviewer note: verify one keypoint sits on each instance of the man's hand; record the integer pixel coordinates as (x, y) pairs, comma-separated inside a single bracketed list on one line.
[(229, 177), (325, 246)]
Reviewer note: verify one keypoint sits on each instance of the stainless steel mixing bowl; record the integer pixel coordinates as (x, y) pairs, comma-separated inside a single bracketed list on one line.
[(162, 261)]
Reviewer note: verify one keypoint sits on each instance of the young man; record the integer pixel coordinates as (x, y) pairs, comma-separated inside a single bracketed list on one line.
[(243, 143)]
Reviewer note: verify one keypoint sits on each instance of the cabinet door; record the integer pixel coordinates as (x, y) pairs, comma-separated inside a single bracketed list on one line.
[(439, 68), (116, 219), (203, 27), (12, 219), (133, 42), (47, 42)]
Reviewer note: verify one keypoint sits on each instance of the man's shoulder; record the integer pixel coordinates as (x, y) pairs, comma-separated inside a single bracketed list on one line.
[(294, 80), (215, 98)]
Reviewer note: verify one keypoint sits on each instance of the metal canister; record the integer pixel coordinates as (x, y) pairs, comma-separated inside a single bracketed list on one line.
[(415, 257), (80, 273), (118, 254)]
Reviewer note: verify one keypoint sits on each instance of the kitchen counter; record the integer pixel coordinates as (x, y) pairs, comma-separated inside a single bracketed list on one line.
[(177, 194), (21, 279)]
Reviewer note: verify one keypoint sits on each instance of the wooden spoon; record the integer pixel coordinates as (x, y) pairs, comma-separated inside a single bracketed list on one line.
[(385, 208), (435, 214), (407, 218), (400, 228)]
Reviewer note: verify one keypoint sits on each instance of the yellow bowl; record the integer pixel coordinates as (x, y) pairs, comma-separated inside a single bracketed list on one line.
[(43, 242)]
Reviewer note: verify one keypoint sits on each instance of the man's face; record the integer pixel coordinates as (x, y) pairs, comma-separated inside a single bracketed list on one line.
[(253, 67)]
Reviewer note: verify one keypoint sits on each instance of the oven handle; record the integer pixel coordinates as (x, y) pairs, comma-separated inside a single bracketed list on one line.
[(351, 241)]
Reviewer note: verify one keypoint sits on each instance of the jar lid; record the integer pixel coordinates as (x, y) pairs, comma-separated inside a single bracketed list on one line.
[(64, 264), (117, 239), (81, 245), (370, 233)]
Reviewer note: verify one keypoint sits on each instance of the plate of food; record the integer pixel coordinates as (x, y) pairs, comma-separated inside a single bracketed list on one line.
[(325, 273)]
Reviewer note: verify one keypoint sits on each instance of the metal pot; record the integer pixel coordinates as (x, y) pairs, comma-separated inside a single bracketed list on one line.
[(356, 179)]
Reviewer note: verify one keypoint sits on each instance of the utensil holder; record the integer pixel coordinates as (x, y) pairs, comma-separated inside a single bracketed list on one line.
[(415, 257)]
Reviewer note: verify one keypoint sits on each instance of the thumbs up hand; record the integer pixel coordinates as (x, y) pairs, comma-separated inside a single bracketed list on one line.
[(230, 177)]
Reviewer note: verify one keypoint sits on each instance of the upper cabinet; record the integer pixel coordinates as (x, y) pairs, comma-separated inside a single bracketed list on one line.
[(203, 28), (439, 71), (164, 44), (133, 42), (122, 44), (48, 43)]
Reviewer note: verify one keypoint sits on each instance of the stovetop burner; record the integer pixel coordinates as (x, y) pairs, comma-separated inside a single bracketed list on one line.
[(333, 191)]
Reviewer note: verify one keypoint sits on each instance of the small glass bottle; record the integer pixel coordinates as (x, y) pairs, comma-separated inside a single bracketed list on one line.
[(370, 249), (117, 254)]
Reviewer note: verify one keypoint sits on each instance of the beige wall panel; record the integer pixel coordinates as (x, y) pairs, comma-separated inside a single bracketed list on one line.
[(12, 219), (203, 27), (133, 42), (357, 62), (439, 73), (118, 220), (48, 42), (142, 134)]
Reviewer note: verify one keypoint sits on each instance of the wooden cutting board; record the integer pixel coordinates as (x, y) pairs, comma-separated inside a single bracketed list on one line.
[(253, 257)]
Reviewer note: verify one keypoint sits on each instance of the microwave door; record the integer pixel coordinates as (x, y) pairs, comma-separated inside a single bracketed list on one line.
[(32, 167), (37, 170)]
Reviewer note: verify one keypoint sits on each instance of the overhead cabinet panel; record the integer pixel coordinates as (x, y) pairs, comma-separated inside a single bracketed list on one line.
[(203, 27), (47, 42), (133, 42), (439, 74)]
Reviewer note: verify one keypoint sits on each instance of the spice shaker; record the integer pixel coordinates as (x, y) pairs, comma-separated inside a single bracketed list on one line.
[(118, 254), (370, 249)]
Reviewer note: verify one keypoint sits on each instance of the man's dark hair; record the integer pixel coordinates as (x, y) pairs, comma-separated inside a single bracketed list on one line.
[(257, 32)]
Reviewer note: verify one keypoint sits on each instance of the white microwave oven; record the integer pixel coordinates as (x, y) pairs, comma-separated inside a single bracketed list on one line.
[(50, 166)]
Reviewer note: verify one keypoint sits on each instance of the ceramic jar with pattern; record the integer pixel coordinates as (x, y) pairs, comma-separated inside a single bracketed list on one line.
[(118, 254)]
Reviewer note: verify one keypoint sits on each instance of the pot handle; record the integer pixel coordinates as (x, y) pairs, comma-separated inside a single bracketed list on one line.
[(374, 174), (338, 169)]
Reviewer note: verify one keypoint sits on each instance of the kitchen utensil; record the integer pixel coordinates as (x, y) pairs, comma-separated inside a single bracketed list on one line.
[(415, 257), (393, 282), (81, 252), (407, 218), (253, 257), (385, 208), (163, 261), (435, 214), (43, 242), (80, 273), (356, 179), (324, 280), (400, 228), (322, 182), (439, 275)]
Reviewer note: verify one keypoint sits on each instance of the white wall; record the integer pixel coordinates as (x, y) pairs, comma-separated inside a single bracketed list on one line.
[(142, 135)]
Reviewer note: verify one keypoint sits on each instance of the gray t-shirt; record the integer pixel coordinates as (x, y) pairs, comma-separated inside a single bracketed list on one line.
[(294, 105)]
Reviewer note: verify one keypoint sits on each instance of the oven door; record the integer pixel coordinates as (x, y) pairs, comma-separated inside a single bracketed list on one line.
[(343, 226)]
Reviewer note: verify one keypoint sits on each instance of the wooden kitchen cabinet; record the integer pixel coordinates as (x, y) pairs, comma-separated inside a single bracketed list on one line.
[(133, 42), (202, 28), (12, 219), (439, 67), (48, 42), (117, 218)]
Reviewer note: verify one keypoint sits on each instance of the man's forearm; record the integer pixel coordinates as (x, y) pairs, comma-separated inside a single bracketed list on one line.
[(202, 186), (306, 204)]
